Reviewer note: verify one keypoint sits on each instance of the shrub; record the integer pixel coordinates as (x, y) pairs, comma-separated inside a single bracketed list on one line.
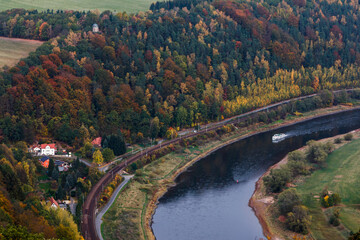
[(296, 156), (287, 200), (297, 168), (298, 219), (334, 221), (348, 137), (316, 152), (277, 180), (329, 200), (337, 140), (354, 236)]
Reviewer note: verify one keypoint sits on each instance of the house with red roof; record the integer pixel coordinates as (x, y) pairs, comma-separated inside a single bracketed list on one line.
[(96, 142), (48, 149), (54, 203)]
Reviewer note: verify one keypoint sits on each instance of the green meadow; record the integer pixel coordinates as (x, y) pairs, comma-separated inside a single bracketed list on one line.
[(341, 175)]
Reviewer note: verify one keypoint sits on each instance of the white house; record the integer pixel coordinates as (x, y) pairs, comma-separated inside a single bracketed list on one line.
[(48, 149), (95, 28), (35, 149)]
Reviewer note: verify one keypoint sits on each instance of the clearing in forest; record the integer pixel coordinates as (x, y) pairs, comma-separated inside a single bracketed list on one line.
[(13, 49)]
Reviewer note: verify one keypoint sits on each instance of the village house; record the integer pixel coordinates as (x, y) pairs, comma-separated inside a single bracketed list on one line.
[(57, 204), (35, 149), (62, 166), (48, 149), (44, 161), (54, 203), (96, 142)]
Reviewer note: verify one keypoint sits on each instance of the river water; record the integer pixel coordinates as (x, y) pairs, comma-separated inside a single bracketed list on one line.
[(208, 204)]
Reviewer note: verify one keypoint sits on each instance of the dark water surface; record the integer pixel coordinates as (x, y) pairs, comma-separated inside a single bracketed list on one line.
[(208, 204)]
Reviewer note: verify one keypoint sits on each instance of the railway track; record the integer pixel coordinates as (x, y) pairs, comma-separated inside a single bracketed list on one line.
[(88, 227)]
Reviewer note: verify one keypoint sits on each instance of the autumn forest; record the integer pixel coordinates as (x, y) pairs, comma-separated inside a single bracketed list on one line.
[(178, 65)]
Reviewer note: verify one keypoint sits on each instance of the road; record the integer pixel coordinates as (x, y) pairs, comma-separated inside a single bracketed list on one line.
[(88, 225), (99, 216)]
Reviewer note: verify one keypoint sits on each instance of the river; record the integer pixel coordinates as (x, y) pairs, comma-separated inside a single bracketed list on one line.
[(207, 203)]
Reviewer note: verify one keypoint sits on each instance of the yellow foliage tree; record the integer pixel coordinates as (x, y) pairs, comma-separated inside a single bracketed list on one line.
[(98, 157)]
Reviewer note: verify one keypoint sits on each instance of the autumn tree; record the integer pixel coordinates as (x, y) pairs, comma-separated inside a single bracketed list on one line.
[(98, 157)]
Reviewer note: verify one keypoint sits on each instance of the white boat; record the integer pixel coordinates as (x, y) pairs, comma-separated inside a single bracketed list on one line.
[(278, 137)]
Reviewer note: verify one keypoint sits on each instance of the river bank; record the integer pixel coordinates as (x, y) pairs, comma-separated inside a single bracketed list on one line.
[(133, 211), (150, 210), (263, 203)]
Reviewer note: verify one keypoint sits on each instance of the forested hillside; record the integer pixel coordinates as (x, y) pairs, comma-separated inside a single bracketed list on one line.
[(23, 212), (171, 67)]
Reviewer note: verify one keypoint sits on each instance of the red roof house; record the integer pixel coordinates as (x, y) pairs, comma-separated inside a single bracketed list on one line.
[(54, 204), (96, 142), (48, 149)]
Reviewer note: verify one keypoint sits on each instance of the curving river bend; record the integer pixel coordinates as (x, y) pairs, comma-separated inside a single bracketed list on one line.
[(208, 204)]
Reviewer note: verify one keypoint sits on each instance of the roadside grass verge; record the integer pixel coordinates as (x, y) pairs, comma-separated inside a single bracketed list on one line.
[(123, 219)]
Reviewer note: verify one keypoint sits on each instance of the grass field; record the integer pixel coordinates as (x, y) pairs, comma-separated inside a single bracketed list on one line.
[(130, 6), (341, 176), (12, 50)]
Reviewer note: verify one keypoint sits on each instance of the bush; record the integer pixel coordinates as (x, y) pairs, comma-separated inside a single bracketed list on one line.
[(296, 156), (337, 140), (277, 180), (297, 168), (329, 200), (348, 137), (317, 152), (354, 236), (298, 219), (287, 200), (334, 221)]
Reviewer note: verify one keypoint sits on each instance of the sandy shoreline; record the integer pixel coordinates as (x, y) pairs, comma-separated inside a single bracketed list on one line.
[(167, 183)]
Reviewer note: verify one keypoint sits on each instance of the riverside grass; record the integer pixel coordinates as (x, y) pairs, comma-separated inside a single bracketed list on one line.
[(13, 49), (341, 175), (343, 161), (129, 6), (131, 213)]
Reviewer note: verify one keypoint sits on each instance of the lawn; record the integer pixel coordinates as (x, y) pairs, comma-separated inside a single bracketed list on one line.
[(341, 176), (12, 50), (130, 6)]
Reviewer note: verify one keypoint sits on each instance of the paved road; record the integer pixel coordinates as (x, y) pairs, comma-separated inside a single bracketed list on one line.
[(85, 162), (99, 216)]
